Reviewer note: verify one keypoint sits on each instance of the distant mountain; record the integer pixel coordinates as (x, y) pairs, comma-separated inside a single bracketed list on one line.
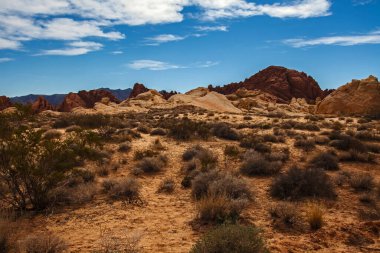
[(57, 99)]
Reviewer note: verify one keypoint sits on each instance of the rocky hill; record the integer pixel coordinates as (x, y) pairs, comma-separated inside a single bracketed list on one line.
[(5, 102), (360, 97), (281, 82)]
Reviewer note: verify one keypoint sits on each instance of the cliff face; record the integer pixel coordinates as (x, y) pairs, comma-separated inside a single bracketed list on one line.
[(5, 102), (360, 97), (41, 104), (281, 82), (85, 99)]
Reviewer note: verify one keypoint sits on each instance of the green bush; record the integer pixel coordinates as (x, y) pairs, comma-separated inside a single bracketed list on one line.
[(231, 239), (31, 166)]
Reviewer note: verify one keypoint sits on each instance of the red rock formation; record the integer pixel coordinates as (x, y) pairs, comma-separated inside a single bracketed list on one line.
[(85, 99), (138, 88), (41, 104), (281, 82), (5, 102), (167, 95)]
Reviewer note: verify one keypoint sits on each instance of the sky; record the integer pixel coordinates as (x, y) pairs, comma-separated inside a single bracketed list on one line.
[(49, 47)]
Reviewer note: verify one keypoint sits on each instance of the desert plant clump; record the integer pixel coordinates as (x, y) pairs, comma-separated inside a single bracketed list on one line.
[(52, 134), (206, 157), (110, 242), (141, 154), (286, 216), (152, 164), (300, 183), (231, 239), (224, 131), (43, 243), (166, 186), (125, 147), (143, 129), (314, 215), (256, 143), (255, 164), (362, 182), (325, 160), (127, 189), (186, 129), (305, 144), (231, 150), (158, 131)]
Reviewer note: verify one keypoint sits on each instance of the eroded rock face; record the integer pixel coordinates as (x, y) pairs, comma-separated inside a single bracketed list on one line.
[(41, 104), (5, 102), (85, 99), (138, 88), (167, 95), (360, 97), (281, 82)]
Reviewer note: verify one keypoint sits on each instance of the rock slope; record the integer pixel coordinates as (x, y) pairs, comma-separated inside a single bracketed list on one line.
[(360, 97)]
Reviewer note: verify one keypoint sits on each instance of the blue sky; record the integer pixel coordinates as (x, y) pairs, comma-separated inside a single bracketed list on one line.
[(59, 46)]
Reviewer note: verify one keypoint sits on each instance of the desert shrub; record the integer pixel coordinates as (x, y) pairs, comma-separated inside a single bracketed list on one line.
[(143, 129), (220, 208), (374, 148), (298, 183), (218, 183), (224, 131), (346, 142), (124, 147), (321, 140), (325, 160), (73, 128), (31, 166), (141, 154), (110, 242), (305, 144), (5, 237), (255, 164), (285, 216), (52, 134), (126, 189), (357, 156), (191, 152), (91, 121), (256, 143), (231, 239), (205, 156), (43, 243), (83, 174), (152, 164), (306, 126), (231, 150), (186, 129), (103, 171), (314, 215), (158, 131), (362, 182), (166, 186), (157, 145), (73, 195)]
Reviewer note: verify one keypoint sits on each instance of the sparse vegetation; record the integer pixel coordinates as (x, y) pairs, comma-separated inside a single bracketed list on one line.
[(362, 182), (231, 239), (43, 243), (255, 164), (314, 215), (325, 160)]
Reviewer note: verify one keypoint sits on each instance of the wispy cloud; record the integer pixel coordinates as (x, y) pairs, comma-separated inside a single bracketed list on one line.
[(164, 38), (348, 40), (117, 52), (361, 2), (221, 28), (160, 65), (74, 48), (5, 60)]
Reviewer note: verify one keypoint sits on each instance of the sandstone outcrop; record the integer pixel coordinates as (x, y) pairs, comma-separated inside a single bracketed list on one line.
[(138, 88), (281, 82), (5, 102), (85, 99), (41, 104), (360, 97)]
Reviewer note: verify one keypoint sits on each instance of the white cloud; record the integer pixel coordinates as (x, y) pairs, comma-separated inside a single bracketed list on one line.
[(74, 48), (152, 65), (22, 20), (221, 28), (117, 52), (9, 44), (160, 65), (163, 38), (351, 40), (5, 60), (361, 2)]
